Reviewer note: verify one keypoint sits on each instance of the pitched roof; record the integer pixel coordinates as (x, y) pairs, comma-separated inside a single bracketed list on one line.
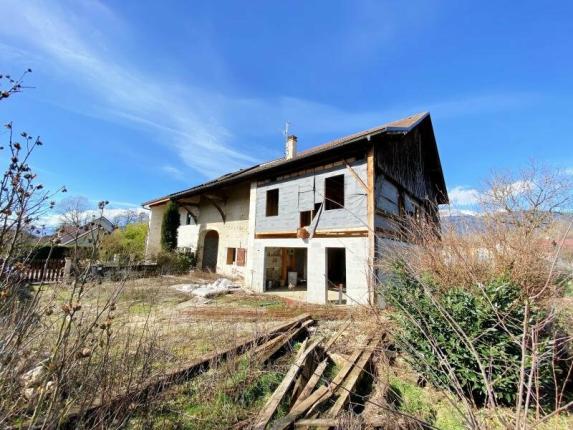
[(71, 234), (403, 125)]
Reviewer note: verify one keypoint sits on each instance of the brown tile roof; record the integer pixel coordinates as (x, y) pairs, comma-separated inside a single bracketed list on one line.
[(403, 125)]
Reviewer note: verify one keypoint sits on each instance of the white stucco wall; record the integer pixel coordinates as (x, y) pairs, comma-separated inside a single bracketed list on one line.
[(250, 269), (153, 245), (233, 233), (188, 236)]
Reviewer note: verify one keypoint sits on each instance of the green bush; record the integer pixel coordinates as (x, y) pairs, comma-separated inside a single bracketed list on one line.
[(425, 334), (128, 243), (175, 262), (169, 226)]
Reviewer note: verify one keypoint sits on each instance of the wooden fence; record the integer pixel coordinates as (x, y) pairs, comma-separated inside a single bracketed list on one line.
[(40, 271)]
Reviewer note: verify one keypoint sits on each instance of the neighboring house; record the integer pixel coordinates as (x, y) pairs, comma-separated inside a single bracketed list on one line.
[(314, 219), (86, 235)]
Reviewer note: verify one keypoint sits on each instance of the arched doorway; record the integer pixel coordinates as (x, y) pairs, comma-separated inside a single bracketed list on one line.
[(210, 250)]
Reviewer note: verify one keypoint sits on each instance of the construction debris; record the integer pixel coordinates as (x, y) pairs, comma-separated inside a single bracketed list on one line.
[(219, 287)]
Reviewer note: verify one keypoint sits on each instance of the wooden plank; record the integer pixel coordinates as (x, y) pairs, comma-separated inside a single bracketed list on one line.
[(311, 384), (358, 178), (371, 210), (338, 359), (318, 397), (268, 349), (300, 409), (316, 422), (350, 382), (300, 376), (272, 404), (397, 421), (336, 336), (338, 379)]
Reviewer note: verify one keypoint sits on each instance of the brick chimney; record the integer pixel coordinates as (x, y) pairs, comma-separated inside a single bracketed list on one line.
[(290, 147)]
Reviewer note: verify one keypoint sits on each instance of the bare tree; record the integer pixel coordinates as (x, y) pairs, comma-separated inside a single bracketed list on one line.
[(130, 216), (56, 356), (75, 211)]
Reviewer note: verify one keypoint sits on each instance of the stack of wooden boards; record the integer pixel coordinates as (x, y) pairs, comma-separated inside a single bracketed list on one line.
[(308, 394)]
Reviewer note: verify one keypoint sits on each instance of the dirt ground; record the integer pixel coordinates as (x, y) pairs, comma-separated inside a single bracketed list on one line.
[(187, 327)]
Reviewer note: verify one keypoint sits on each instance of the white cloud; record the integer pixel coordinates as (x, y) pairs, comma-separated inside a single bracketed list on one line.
[(463, 196)]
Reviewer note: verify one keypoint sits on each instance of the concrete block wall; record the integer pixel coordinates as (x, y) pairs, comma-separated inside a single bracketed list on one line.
[(357, 270), (298, 194), (245, 216)]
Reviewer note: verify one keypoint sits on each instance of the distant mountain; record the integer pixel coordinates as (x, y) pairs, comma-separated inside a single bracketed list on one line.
[(468, 222), (462, 223)]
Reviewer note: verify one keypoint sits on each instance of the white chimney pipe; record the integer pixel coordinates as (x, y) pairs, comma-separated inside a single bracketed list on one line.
[(290, 149)]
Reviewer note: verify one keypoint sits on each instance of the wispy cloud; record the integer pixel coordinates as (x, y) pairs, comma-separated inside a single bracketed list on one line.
[(203, 128), (174, 172), (68, 41)]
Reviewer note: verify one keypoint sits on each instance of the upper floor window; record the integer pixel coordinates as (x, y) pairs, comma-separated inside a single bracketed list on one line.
[(188, 218), (334, 192), (272, 202)]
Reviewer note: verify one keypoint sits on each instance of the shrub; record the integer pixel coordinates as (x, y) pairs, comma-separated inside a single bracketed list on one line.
[(436, 328), (128, 243), (169, 226), (175, 262)]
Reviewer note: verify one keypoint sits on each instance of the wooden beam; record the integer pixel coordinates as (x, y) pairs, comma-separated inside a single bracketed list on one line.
[(216, 197), (314, 223), (337, 335), (272, 404), (358, 232), (358, 178), (318, 397), (217, 206), (312, 381), (266, 351), (394, 421), (371, 211), (191, 213), (350, 382)]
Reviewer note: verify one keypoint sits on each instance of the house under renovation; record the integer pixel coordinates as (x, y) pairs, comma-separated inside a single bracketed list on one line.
[(313, 220)]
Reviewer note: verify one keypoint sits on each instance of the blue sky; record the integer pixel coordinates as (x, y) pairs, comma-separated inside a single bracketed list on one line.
[(136, 99)]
